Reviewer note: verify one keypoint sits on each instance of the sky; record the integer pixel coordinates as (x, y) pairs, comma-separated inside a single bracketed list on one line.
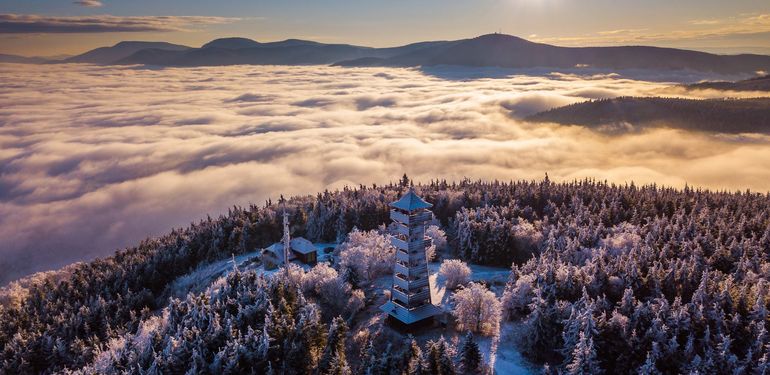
[(56, 27)]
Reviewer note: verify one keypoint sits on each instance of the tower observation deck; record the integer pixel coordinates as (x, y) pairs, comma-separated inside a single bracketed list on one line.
[(410, 297)]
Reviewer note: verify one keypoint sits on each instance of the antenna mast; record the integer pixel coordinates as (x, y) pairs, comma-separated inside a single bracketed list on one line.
[(286, 237)]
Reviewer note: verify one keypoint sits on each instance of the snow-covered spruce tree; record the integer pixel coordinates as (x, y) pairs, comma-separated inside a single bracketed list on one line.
[(469, 357), (543, 326), (455, 272), (333, 358), (518, 294), (438, 359), (412, 358), (579, 326), (584, 361), (477, 309)]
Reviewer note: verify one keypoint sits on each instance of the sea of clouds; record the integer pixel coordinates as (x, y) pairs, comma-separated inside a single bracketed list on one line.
[(96, 158)]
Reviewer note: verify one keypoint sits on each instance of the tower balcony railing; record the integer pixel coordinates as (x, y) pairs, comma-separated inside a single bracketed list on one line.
[(405, 219), (399, 216), (418, 297), (404, 283), (419, 283), (418, 258), (402, 256), (400, 268), (402, 229), (420, 244), (399, 295), (412, 245), (399, 243), (411, 259), (418, 271), (411, 271), (400, 282)]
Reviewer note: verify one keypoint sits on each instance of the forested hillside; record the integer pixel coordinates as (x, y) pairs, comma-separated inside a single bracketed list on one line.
[(607, 278), (631, 113), (753, 84)]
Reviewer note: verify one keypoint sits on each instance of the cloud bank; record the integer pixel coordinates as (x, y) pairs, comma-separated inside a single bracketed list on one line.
[(95, 158)]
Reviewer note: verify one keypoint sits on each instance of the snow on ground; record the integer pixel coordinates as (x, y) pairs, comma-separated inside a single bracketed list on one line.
[(495, 277), (206, 276), (508, 359), (322, 255)]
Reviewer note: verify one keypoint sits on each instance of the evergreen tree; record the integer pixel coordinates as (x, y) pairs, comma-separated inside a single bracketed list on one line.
[(470, 356), (335, 347), (411, 361), (439, 360), (543, 326), (584, 359)]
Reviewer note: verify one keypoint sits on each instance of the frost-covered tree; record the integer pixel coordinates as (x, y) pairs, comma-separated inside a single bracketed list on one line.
[(518, 294), (368, 254), (333, 291), (455, 272), (683, 270), (584, 361), (477, 309), (439, 241), (543, 326), (438, 359), (333, 358)]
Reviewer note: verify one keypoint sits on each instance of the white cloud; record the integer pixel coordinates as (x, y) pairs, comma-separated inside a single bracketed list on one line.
[(89, 3), (94, 158)]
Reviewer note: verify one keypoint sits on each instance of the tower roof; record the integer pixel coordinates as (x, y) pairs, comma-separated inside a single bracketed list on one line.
[(410, 202)]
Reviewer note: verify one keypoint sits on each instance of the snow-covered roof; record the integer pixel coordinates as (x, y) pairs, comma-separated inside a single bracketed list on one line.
[(408, 316), (276, 247), (410, 202), (277, 250), (302, 246), (297, 244)]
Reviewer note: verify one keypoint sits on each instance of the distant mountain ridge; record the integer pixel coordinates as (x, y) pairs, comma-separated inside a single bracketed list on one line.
[(237, 51), (491, 50), (5, 58), (500, 50), (110, 55)]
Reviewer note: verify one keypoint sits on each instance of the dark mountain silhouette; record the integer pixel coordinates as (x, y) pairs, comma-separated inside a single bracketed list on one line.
[(753, 84), (4, 58), (308, 54), (231, 43), (109, 55), (631, 113), (233, 51), (500, 50), (492, 50)]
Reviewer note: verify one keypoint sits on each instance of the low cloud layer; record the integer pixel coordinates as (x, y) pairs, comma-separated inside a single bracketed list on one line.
[(95, 158)]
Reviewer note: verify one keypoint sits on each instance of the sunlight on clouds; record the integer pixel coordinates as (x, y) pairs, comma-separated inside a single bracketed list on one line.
[(94, 158)]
